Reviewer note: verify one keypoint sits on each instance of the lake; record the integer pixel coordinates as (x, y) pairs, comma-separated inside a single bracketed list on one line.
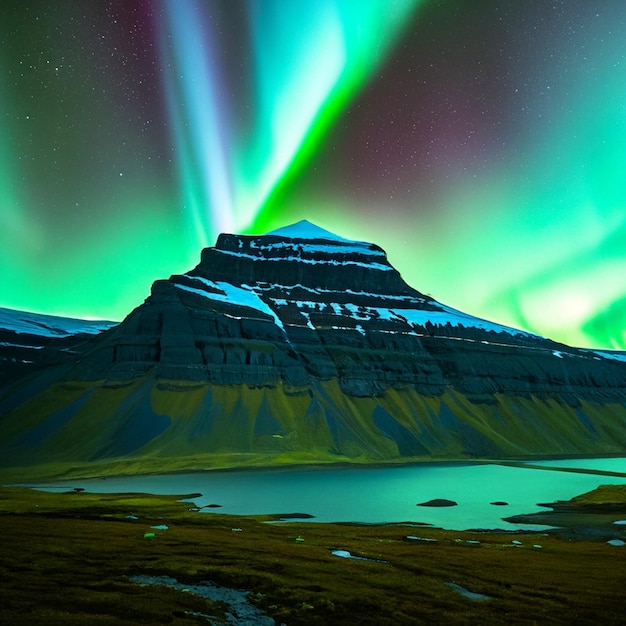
[(379, 495)]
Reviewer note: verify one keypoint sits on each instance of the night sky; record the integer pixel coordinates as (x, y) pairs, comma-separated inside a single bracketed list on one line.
[(481, 143)]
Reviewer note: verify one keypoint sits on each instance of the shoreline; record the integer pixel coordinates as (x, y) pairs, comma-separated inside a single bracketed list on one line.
[(359, 498), (521, 462)]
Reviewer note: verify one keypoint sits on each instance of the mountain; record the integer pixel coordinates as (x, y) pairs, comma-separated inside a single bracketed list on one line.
[(23, 335), (300, 346)]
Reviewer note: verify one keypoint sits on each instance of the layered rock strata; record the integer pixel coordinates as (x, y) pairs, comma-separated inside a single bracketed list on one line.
[(301, 346)]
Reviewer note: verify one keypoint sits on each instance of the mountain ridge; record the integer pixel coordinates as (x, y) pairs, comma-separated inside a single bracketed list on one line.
[(300, 346)]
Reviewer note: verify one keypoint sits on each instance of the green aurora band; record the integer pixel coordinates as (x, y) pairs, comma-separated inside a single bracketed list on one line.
[(309, 60), (483, 146)]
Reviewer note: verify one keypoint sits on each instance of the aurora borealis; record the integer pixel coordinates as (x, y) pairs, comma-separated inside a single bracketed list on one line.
[(482, 144)]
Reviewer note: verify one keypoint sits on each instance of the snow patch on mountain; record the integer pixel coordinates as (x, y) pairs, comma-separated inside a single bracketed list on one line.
[(458, 318), (414, 317), (23, 322), (615, 355), (242, 296), (307, 230), (421, 317), (329, 261), (321, 291), (312, 248)]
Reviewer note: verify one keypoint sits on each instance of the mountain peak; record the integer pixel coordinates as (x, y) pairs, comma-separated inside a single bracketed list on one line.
[(298, 346), (306, 230)]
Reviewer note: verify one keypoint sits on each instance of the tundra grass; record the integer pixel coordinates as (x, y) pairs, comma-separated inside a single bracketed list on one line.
[(67, 558)]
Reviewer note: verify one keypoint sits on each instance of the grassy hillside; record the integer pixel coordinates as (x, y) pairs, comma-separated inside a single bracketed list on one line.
[(146, 425)]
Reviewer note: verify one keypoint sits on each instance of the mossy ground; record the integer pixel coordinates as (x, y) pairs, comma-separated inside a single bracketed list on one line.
[(66, 559)]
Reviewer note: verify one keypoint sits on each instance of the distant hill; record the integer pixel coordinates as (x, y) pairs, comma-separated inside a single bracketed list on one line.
[(23, 335), (300, 346)]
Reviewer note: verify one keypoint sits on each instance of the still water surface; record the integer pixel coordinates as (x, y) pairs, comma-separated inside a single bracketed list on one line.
[(379, 495)]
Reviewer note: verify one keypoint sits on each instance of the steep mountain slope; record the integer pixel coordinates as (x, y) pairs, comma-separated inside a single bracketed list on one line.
[(300, 346)]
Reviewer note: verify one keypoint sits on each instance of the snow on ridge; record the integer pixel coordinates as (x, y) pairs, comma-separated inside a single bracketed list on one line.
[(413, 317), (24, 322), (609, 354), (486, 324), (326, 248), (239, 296), (336, 308), (352, 292), (420, 317), (376, 266)]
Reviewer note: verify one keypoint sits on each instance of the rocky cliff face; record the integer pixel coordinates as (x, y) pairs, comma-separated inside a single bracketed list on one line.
[(301, 346)]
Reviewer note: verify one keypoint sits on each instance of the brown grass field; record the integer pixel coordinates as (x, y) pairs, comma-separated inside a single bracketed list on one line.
[(66, 559)]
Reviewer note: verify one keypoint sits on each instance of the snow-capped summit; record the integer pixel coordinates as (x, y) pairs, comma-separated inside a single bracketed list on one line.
[(303, 243), (306, 230)]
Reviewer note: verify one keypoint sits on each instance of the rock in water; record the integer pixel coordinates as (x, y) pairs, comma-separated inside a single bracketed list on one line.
[(300, 346), (439, 502)]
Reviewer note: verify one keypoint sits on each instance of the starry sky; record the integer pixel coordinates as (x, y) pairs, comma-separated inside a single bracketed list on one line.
[(481, 143)]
